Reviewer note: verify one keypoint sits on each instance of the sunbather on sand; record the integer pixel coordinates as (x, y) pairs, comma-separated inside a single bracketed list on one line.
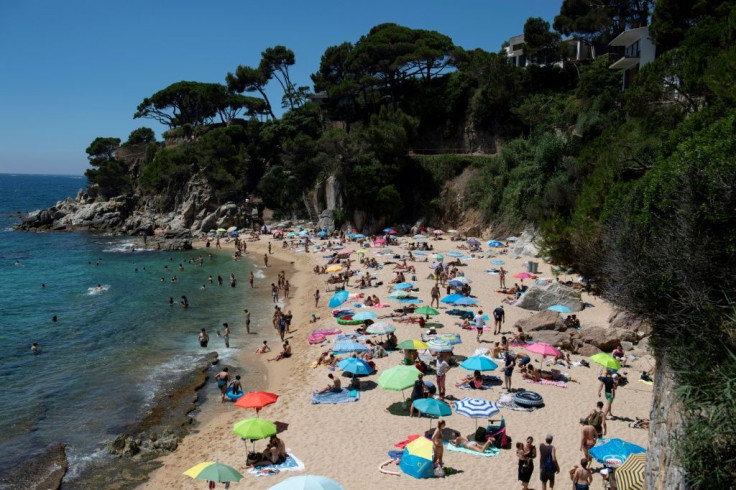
[(335, 386), (460, 441), (275, 453)]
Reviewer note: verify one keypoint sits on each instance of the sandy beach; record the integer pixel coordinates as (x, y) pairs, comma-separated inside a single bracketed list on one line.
[(349, 441)]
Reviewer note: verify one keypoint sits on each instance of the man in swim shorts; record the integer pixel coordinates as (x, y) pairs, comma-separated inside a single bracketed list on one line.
[(204, 339)]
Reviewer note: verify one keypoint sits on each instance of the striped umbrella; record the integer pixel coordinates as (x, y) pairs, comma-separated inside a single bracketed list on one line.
[(476, 408), (439, 346), (630, 475), (450, 338), (381, 329)]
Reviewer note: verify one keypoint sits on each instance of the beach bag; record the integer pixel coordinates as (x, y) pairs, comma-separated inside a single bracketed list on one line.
[(596, 420)]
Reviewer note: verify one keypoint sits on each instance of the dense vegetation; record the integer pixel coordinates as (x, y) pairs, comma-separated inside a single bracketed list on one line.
[(634, 188)]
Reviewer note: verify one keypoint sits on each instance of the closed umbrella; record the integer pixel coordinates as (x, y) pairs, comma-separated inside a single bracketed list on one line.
[(213, 471), (308, 482), (630, 475), (478, 363)]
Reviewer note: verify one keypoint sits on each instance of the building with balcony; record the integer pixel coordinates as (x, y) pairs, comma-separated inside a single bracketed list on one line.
[(631, 50)]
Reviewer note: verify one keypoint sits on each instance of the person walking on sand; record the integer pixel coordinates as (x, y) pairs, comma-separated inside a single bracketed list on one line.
[(274, 293), (610, 383), (439, 448), (502, 278), (480, 322), (582, 478), (265, 259), (499, 316), (442, 368), (508, 368), (287, 286), (269, 247), (316, 298), (548, 465), (597, 419), (223, 378), (204, 339), (588, 438), (247, 320), (435, 295)]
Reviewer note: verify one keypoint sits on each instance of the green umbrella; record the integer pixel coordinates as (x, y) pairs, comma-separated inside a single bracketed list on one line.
[(256, 428), (426, 310), (605, 360), (398, 378), (212, 471), (412, 344)]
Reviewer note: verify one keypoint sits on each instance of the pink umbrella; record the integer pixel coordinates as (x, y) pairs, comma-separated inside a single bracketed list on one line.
[(544, 349), (344, 252), (524, 275), (438, 232), (380, 240)]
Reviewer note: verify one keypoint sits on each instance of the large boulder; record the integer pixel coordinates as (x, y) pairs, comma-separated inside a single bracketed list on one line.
[(544, 320), (542, 296), (606, 339), (326, 221), (526, 245), (561, 340), (629, 321)]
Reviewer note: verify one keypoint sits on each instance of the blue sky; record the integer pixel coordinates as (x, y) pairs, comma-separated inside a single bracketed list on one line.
[(73, 70)]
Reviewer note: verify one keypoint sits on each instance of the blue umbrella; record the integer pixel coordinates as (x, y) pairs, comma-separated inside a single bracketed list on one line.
[(353, 365), (322, 233), (494, 243), (410, 301), (560, 308), (466, 301), (359, 235), (338, 298), (388, 230), (365, 315), (404, 285), (497, 262), (476, 408), (304, 233), (308, 482), (456, 283), (433, 407), (419, 236), (479, 363), (451, 298), (349, 346), (613, 452), (419, 252), (416, 466)]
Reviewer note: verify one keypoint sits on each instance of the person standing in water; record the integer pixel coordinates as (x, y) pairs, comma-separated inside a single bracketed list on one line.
[(204, 339), (223, 378), (226, 335), (251, 279), (247, 321)]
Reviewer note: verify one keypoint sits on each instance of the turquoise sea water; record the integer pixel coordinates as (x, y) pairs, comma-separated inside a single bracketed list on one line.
[(110, 351)]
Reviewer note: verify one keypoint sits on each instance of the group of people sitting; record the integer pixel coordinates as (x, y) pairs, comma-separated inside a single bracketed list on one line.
[(371, 301), (275, 453)]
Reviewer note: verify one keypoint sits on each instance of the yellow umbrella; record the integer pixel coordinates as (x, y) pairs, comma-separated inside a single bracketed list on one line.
[(630, 475), (334, 268), (421, 446), (362, 251), (212, 471)]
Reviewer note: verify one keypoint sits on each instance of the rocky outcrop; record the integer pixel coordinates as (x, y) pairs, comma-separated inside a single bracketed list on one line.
[(526, 245), (326, 221), (606, 339), (665, 427), (542, 296), (544, 320), (42, 472), (629, 321)]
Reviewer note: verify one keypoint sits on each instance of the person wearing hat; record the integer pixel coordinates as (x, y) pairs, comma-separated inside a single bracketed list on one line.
[(610, 383)]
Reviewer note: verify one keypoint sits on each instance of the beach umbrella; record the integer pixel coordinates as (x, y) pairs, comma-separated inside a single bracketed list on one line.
[(438, 232), (334, 268), (380, 329), (338, 298), (560, 308), (497, 262), (304, 233), (359, 235), (454, 254), (308, 482), (630, 475), (291, 234), (416, 465), (450, 338), (344, 253), (349, 346), (476, 408), (398, 378), (388, 230), (232, 228), (322, 233), (399, 293), (494, 243), (426, 310), (478, 363), (439, 257), (605, 360), (365, 315), (212, 471), (257, 400), (613, 452), (410, 301), (466, 301), (473, 242), (412, 344), (362, 251), (353, 365), (254, 428), (451, 298), (221, 230), (432, 407), (524, 275), (419, 236), (437, 345), (543, 348), (462, 279), (379, 240), (404, 285)]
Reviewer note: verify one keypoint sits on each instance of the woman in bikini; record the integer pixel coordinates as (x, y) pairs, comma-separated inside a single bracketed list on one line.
[(460, 441), (439, 449)]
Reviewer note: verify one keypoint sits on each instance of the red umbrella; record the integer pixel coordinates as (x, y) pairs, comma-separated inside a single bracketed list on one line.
[(544, 349), (256, 399)]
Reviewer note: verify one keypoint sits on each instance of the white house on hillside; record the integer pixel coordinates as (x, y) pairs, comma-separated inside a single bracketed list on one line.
[(573, 49), (631, 50)]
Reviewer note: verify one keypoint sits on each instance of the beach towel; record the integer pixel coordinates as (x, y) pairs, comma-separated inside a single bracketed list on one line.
[(334, 397), (548, 382), (292, 463), (490, 452), (488, 383), (650, 383), (506, 400)]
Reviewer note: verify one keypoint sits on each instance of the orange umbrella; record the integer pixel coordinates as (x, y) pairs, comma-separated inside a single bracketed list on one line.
[(256, 399)]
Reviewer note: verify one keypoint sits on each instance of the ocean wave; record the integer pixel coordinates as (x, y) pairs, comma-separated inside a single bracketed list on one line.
[(79, 462), (98, 289), (122, 246), (258, 274), (163, 374)]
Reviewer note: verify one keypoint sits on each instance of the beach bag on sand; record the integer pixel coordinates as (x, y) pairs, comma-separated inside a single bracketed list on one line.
[(596, 420)]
